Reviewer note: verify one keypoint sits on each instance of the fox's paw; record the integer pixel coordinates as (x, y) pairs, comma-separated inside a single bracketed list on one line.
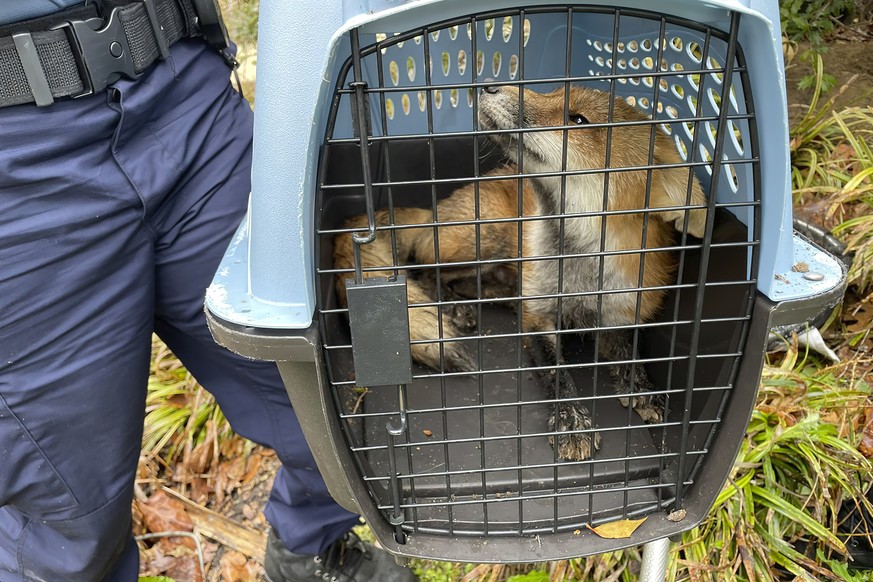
[(650, 408), (464, 317), (459, 359), (573, 446)]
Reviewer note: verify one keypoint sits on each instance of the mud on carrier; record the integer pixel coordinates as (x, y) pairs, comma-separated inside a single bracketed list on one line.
[(457, 465)]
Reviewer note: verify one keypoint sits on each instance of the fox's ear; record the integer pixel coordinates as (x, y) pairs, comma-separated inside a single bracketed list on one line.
[(670, 189)]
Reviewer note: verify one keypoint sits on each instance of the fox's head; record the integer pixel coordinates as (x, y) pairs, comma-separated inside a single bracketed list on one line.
[(593, 122)]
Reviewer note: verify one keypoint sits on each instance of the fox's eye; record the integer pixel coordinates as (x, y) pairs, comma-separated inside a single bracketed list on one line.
[(578, 119)]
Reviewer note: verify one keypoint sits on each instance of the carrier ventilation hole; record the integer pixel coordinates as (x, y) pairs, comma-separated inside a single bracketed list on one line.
[(646, 44), (422, 101), (446, 62), (648, 63), (480, 62), (453, 97), (453, 32), (737, 136), (711, 132), (404, 102), (706, 157), (631, 100), (507, 28), (622, 64), (695, 53), (666, 128), (635, 63), (734, 182), (634, 80), (526, 34), (675, 66), (410, 68), (513, 66), (633, 46), (676, 43), (489, 29), (399, 44), (678, 91), (620, 47), (600, 62), (621, 80), (417, 39), (664, 85), (470, 96), (394, 72), (438, 99), (462, 61), (469, 31), (692, 104), (495, 63), (598, 45), (644, 102), (680, 147), (435, 35), (648, 82), (689, 129), (714, 98), (672, 112), (389, 108), (380, 36)]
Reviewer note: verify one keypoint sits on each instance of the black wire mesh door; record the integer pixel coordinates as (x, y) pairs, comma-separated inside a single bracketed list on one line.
[(468, 446)]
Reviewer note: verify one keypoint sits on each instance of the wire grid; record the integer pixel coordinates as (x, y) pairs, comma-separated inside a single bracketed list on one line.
[(467, 453)]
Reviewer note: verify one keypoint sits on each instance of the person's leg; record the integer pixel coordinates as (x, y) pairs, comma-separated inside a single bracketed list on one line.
[(75, 326), (192, 228), (193, 221)]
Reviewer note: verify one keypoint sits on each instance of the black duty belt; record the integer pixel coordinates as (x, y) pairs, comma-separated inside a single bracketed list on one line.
[(79, 52)]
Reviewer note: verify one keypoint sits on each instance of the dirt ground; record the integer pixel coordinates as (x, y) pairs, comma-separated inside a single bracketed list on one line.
[(849, 58)]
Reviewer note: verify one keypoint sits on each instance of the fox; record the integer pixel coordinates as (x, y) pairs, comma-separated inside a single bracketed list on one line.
[(599, 240)]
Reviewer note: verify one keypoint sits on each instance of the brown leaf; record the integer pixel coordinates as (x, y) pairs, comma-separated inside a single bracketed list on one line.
[(253, 463), (236, 568), (866, 444), (427, 433), (185, 568), (162, 513), (620, 529), (200, 457)]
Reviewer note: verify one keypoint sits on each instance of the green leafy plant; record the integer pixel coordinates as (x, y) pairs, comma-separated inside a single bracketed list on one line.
[(811, 20)]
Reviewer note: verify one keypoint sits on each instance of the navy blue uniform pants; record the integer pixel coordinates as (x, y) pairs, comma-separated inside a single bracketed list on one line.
[(114, 212)]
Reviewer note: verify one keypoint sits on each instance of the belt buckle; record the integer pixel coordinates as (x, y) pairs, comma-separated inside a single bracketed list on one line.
[(102, 53)]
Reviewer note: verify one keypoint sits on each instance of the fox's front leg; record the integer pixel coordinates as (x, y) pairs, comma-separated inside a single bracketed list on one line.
[(630, 378), (571, 415)]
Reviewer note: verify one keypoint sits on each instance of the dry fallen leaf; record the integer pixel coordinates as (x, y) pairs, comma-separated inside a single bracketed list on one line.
[(866, 444), (236, 568), (620, 529), (427, 432), (162, 513)]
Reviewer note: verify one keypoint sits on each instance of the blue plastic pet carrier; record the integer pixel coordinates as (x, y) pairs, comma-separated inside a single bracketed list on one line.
[(367, 109)]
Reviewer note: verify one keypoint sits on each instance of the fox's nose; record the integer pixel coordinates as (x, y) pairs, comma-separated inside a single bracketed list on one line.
[(490, 88)]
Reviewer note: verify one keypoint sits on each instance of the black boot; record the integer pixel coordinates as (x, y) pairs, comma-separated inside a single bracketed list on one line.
[(346, 560)]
